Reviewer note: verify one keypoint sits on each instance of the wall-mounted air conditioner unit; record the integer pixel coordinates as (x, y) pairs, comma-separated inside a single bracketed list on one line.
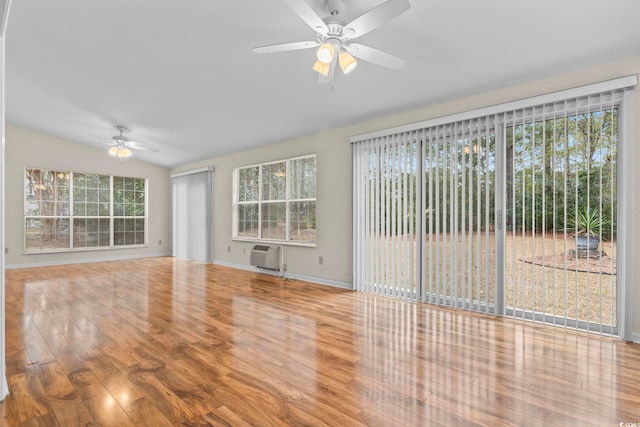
[(266, 256)]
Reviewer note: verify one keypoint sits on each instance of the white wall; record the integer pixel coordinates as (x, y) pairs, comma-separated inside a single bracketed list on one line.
[(334, 176), (333, 206), (4, 14), (28, 148)]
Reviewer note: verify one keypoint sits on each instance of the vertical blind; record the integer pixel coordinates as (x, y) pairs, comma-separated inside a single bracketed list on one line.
[(483, 213), (385, 205), (459, 171), (561, 186), (422, 203), (192, 215)]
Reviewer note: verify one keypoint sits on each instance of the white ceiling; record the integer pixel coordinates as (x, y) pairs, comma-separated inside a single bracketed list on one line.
[(181, 74)]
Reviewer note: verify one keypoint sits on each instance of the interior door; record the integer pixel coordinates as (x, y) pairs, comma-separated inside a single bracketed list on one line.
[(192, 215)]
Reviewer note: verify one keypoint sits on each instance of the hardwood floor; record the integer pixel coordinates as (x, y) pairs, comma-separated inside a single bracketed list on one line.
[(162, 342)]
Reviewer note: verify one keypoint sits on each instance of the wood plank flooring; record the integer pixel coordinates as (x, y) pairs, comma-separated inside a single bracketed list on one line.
[(165, 342)]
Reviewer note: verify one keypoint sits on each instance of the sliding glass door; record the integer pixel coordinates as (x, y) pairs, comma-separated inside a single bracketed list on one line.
[(513, 213)]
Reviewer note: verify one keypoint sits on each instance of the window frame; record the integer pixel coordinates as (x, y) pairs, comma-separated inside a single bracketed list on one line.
[(71, 216), (261, 202)]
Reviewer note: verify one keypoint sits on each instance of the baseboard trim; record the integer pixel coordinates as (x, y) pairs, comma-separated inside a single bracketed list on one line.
[(84, 261), (635, 337), (305, 278)]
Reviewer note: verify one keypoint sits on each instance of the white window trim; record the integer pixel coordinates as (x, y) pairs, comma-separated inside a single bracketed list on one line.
[(111, 218), (236, 202)]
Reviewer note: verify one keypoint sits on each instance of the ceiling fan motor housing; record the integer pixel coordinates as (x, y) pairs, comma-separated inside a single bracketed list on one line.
[(335, 7)]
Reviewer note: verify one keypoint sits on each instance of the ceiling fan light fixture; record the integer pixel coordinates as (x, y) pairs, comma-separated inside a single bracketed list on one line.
[(325, 53), (322, 68), (120, 152), (347, 62)]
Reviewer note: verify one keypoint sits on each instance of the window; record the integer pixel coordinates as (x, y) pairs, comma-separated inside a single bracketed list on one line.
[(276, 201), (67, 210)]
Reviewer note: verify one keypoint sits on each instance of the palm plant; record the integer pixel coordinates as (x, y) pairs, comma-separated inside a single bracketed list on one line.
[(587, 222), (588, 225)]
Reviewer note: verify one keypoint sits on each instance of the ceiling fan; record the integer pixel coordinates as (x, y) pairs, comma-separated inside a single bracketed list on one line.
[(121, 145), (333, 36)]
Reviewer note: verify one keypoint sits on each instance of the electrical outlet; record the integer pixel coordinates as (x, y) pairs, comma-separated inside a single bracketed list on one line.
[(159, 242), (321, 260), (284, 267), (228, 248), (6, 251)]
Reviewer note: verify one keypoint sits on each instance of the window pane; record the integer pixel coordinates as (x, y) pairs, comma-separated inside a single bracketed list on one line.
[(118, 183), (92, 195), (90, 232), (91, 181), (78, 193), (46, 192), (273, 220), (248, 184), (118, 190), (103, 209), (248, 220), (302, 217), (92, 209), (104, 195), (104, 181), (88, 191), (46, 233), (129, 196), (274, 181), (104, 239), (128, 231), (302, 178), (79, 209)]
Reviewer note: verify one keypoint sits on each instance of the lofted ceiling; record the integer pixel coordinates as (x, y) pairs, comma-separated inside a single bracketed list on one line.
[(182, 76)]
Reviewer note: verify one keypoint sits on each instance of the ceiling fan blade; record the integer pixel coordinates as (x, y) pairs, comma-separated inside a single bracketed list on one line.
[(139, 145), (98, 137), (285, 47), (142, 148), (375, 17), (307, 14), (375, 56)]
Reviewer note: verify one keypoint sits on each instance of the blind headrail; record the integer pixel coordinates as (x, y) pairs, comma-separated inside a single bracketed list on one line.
[(580, 91)]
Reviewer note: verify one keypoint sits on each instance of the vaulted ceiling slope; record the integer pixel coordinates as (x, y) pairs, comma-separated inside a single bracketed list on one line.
[(182, 75)]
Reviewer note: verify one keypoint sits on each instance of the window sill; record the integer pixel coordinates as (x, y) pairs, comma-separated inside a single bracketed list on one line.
[(275, 242), (69, 250)]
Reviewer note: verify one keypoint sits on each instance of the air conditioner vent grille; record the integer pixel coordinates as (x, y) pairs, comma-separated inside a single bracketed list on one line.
[(266, 256)]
